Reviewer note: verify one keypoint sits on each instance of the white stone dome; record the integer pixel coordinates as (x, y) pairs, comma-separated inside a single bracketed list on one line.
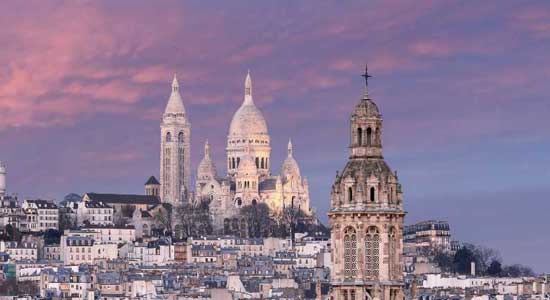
[(290, 168), (206, 169), (248, 121)]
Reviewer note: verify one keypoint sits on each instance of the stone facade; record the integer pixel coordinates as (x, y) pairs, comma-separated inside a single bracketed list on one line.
[(249, 180), (366, 216), (175, 147)]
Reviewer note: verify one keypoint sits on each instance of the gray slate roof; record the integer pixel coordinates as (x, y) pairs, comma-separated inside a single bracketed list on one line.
[(124, 198)]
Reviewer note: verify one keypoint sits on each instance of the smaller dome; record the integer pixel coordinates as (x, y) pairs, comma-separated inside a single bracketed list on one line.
[(366, 108), (206, 169), (290, 167)]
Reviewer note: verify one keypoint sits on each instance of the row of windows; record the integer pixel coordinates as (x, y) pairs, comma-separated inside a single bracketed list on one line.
[(83, 257), (371, 195), (261, 163), (100, 211), (372, 253), (366, 137), (169, 137), (249, 141), (246, 184)]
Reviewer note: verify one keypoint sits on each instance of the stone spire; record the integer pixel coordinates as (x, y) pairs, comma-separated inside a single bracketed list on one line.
[(206, 149), (248, 89), (175, 84), (289, 147), (175, 103)]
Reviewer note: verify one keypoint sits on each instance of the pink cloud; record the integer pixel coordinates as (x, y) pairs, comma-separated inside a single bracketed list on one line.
[(534, 20), (249, 53), (431, 48)]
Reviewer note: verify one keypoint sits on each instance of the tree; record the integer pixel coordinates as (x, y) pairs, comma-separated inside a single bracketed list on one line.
[(483, 257), (463, 259), (259, 222), (517, 270), (72, 197), (495, 268), (65, 220), (128, 211), (192, 221), (445, 261), (52, 236), (163, 217), (13, 233), (11, 287)]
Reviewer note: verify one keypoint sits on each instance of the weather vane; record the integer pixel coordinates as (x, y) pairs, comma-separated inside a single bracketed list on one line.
[(366, 75)]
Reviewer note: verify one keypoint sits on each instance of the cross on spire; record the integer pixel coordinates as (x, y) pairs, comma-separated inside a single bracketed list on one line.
[(366, 76)]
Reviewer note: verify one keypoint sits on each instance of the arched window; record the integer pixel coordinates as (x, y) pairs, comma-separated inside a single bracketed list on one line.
[(239, 202), (350, 194), (238, 161), (180, 137), (233, 162), (393, 265), (257, 162), (262, 163), (372, 194), (369, 137), (254, 202), (350, 253), (359, 136), (372, 253), (168, 137)]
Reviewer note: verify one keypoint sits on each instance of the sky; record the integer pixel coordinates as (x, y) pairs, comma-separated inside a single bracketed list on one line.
[(462, 86)]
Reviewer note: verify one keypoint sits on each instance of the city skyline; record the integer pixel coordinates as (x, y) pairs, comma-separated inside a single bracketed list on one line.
[(461, 90)]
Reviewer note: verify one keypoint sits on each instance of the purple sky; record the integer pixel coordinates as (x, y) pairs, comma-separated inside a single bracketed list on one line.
[(463, 87)]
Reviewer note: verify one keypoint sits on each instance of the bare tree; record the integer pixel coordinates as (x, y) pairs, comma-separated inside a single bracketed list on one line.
[(193, 221)]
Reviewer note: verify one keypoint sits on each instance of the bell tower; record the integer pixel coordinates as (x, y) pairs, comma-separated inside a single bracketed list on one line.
[(175, 147), (366, 215)]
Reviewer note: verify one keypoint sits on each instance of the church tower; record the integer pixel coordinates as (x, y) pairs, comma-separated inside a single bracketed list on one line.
[(175, 142), (366, 215), (2, 179)]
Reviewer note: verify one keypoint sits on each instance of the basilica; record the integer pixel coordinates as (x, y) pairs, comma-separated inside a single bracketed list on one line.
[(248, 179)]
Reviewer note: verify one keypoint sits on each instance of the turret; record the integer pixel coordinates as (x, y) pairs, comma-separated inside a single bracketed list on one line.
[(152, 187), (366, 127), (3, 174)]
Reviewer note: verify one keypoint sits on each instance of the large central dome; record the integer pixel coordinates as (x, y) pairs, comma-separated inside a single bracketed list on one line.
[(248, 121), (248, 135)]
